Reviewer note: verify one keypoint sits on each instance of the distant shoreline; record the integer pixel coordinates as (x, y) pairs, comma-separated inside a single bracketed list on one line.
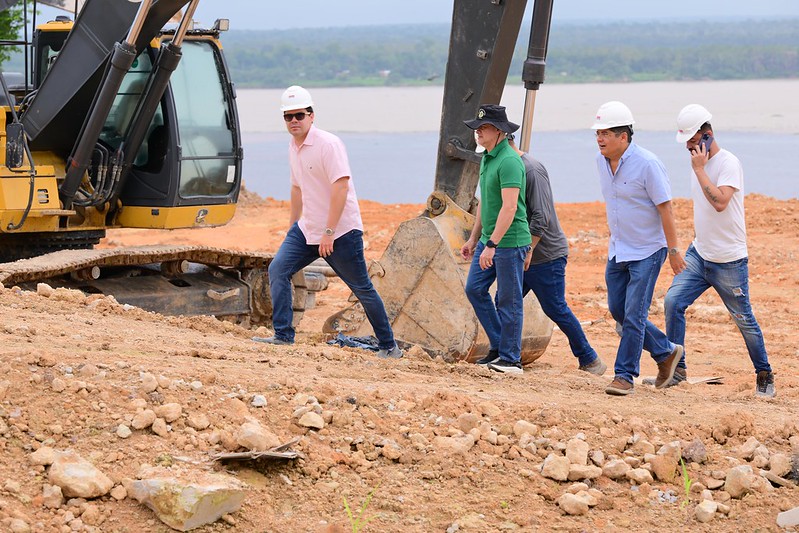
[(745, 105)]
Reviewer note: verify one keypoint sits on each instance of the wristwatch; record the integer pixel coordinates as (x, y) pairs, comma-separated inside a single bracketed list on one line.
[(673, 251), (491, 244), (329, 231)]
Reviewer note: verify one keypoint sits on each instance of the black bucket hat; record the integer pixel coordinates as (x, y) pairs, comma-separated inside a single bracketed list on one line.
[(494, 115)]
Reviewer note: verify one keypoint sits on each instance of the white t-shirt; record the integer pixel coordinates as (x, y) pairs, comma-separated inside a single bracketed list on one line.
[(720, 237)]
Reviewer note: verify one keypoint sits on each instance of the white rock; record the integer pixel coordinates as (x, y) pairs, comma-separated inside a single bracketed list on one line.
[(311, 420), (788, 518), (143, 419), (739, 481), (705, 511), (169, 411), (258, 400), (572, 505), (198, 421), (44, 456), (148, 382), (577, 472), (468, 421), (52, 497), (640, 476), (256, 438), (780, 464), (522, 427), (160, 428), (78, 477), (556, 467), (123, 431), (191, 503), (119, 493), (456, 445), (577, 451), (747, 449), (616, 469), (598, 458), (588, 498)]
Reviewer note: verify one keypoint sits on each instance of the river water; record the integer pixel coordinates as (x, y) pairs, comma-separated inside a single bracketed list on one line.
[(391, 135)]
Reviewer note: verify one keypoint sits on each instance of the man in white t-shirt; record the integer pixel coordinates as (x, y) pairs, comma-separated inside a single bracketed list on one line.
[(325, 221), (718, 256)]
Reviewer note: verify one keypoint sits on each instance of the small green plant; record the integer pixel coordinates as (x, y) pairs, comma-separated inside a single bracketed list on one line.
[(357, 523), (504, 504), (686, 483)]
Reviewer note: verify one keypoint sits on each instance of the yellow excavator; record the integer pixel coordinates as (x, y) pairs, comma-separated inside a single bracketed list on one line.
[(118, 122), (421, 276), (121, 123)]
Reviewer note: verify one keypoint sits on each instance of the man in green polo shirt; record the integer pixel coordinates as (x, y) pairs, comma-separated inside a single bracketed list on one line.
[(499, 241)]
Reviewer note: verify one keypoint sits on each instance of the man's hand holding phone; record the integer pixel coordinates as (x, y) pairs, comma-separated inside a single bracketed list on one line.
[(701, 153)]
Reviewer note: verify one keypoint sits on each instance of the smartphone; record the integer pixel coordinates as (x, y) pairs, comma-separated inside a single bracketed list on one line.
[(706, 141)]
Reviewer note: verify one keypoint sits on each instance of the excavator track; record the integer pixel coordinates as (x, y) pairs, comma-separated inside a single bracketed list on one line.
[(166, 278)]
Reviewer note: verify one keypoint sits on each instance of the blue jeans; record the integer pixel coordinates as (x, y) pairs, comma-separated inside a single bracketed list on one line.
[(502, 322), (347, 261), (548, 283), (630, 288), (731, 282)]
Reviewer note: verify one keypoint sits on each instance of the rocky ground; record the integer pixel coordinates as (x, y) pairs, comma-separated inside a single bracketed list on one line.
[(439, 447)]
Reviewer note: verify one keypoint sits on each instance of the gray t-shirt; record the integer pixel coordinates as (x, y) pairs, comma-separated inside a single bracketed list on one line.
[(541, 215)]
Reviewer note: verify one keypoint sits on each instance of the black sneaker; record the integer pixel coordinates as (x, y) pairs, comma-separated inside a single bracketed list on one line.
[(493, 355), (506, 367), (765, 385)]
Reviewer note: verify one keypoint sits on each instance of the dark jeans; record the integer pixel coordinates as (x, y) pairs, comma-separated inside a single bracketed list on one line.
[(548, 283), (503, 320), (630, 288), (731, 282), (347, 261)]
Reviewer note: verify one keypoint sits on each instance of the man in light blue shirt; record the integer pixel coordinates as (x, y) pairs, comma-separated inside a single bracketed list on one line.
[(642, 234)]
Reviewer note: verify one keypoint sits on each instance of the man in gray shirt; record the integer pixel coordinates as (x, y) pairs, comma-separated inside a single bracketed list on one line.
[(545, 265)]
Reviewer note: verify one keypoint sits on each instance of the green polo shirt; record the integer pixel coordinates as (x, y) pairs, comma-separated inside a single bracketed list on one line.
[(502, 168)]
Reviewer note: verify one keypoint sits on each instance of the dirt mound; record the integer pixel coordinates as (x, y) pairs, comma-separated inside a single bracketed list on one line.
[(441, 447)]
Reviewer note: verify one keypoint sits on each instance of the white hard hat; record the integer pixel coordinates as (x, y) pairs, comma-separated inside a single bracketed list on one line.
[(690, 120), (611, 115), (295, 97)]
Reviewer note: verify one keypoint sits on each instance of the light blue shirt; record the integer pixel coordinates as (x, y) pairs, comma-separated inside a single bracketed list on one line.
[(631, 196)]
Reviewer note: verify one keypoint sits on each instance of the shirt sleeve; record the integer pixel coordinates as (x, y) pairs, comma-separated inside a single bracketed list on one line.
[(537, 219), (511, 173), (731, 174), (335, 160), (657, 182)]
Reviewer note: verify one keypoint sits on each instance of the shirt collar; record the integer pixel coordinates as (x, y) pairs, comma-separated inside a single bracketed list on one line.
[(498, 148), (309, 139)]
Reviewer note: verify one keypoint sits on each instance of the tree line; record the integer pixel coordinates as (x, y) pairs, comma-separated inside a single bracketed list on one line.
[(417, 54)]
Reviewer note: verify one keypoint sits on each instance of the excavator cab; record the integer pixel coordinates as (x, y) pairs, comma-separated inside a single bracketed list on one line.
[(126, 124), (191, 152)]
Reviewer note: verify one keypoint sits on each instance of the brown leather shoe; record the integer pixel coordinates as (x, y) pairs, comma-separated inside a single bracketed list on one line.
[(619, 387), (667, 367)]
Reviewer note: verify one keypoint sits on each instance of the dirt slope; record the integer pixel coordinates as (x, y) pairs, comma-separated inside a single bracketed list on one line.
[(386, 418)]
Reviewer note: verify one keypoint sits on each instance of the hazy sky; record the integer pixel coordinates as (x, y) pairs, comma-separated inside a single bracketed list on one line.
[(270, 14), (274, 14)]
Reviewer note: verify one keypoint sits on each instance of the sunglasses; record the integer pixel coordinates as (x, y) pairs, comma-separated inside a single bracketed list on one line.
[(300, 116)]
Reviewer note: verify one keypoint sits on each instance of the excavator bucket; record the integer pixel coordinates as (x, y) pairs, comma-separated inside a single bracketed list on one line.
[(421, 278)]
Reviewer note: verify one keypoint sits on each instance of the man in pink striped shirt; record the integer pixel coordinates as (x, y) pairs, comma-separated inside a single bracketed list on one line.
[(325, 221)]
